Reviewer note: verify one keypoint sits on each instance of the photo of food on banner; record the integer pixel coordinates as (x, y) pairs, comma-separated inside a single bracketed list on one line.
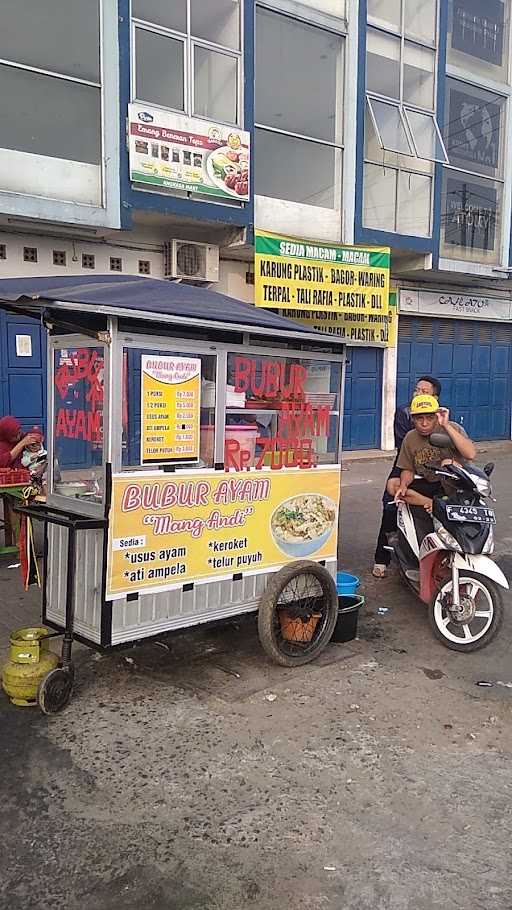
[(281, 412)]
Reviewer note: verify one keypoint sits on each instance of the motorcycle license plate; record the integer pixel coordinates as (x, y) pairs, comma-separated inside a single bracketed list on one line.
[(478, 514)]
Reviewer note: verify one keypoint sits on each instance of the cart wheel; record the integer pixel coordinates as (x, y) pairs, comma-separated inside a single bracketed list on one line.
[(297, 613), (54, 690)]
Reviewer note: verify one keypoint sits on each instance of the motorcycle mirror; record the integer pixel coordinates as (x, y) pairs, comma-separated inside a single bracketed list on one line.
[(489, 468), (440, 440)]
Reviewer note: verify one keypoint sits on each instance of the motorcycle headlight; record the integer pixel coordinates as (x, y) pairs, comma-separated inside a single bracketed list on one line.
[(447, 538)]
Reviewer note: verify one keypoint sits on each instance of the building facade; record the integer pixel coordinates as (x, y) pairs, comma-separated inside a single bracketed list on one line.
[(154, 136)]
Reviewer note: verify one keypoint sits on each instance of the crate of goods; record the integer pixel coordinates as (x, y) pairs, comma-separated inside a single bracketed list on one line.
[(11, 476)]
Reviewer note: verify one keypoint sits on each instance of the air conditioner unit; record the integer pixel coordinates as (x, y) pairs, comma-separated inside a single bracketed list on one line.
[(191, 261)]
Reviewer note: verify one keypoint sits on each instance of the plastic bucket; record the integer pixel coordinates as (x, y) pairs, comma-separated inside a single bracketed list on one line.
[(346, 584), (243, 454), (207, 444), (348, 615)]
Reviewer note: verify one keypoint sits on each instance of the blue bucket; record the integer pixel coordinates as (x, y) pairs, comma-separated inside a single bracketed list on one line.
[(346, 585)]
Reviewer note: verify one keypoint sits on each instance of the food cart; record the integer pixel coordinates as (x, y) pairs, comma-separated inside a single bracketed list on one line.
[(193, 467)]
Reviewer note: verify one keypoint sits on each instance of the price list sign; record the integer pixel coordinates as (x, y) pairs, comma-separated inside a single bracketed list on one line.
[(170, 408)]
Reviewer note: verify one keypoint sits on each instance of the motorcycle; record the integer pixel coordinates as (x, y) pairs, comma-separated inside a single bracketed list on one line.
[(448, 566)]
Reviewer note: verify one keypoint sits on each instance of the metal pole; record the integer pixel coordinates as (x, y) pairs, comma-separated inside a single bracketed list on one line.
[(70, 598)]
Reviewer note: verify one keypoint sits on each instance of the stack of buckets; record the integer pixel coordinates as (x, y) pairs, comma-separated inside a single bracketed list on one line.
[(349, 604)]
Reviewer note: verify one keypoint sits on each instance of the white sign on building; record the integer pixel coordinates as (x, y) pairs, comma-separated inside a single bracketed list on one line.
[(452, 304)]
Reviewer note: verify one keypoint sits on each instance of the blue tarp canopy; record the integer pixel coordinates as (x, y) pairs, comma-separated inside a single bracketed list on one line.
[(154, 299)]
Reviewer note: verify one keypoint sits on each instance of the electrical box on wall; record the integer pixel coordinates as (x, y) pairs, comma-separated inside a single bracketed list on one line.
[(186, 259)]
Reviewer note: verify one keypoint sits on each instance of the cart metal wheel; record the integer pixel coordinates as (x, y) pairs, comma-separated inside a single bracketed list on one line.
[(297, 613), (54, 690)]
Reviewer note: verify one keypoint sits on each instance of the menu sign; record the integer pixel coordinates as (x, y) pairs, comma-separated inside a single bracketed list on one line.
[(477, 29), (175, 152), (306, 275), (170, 408)]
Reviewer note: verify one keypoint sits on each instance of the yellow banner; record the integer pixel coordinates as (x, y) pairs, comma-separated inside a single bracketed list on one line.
[(200, 526), (364, 329), (307, 275), (170, 408)]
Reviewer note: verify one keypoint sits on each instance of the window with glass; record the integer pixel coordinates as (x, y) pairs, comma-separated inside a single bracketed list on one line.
[(78, 439), (474, 133), (51, 95), (281, 412), (187, 56), (169, 401), (298, 111), (478, 37), (417, 19), (402, 137)]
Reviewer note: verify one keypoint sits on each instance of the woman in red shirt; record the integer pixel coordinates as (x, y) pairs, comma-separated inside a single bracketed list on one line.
[(13, 441)]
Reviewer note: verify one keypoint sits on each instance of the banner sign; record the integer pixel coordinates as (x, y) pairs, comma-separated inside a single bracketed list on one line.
[(378, 330), (454, 305), (211, 525), (170, 408), (305, 275), (175, 152)]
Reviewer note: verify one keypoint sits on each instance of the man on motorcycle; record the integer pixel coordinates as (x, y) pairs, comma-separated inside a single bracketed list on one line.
[(417, 452), (425, 385)]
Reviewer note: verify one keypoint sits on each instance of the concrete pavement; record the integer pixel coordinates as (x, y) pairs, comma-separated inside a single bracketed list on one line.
[(378, 778)]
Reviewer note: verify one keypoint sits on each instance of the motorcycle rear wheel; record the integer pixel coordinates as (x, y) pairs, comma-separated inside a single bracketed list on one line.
[(486, 623)]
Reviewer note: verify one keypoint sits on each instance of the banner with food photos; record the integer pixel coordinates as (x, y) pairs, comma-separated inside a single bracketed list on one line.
[(175, 152), (198, 526)]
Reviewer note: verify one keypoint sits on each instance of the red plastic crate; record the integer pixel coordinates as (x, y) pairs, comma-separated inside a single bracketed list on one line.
[(10, 476)]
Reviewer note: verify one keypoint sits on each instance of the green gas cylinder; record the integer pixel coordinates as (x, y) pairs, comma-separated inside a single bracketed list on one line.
[(30, 659)]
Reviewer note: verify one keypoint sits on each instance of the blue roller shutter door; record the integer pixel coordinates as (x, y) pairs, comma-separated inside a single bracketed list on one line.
[(474, 363), (363, 399), (23, 370)]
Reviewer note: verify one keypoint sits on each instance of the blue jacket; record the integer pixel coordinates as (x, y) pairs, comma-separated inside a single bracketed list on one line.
[(401, 426)]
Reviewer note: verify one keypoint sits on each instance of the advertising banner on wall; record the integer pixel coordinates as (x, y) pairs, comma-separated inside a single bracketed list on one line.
[(170, 408), (210, 525), (337, 290), (356, 329), (175, 152), (307, 275)]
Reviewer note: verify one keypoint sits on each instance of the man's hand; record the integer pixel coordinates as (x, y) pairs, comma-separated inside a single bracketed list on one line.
[(461, 443), (443, 417), (400, 493)]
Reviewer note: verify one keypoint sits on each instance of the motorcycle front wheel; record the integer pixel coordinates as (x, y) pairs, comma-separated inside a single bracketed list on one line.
[(477, 620)]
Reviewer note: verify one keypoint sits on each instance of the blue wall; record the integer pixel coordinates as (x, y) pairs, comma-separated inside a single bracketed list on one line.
[(23, 379)]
